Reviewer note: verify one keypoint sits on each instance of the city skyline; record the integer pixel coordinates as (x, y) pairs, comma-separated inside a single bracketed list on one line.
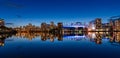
[(59, 28), (22, 12)]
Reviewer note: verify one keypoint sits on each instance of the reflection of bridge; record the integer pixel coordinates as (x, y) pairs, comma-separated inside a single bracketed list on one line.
[(75, 37)]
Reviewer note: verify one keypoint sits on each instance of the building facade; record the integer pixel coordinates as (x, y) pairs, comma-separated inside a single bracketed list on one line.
[(2, 23), (98, 24)]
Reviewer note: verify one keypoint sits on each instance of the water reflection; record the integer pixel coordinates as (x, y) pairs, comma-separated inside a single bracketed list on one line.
[(3, 37), (113, 37), (44, 36), (97, 37)]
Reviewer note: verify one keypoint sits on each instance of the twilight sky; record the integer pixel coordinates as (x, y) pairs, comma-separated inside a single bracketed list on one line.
[(22, 12)]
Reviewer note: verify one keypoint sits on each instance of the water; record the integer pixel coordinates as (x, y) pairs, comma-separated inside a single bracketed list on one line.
[(24, 45)]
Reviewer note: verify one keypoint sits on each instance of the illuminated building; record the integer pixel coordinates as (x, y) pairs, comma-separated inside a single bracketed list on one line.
[(52, 25), (98, 24), (106, 27), (43, 26), (91, 26), (111, 22), (117, 25), (2, 23), (59, 27), (27, 28)]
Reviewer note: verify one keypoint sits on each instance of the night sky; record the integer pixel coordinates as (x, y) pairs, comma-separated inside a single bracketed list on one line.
[(22, 12)]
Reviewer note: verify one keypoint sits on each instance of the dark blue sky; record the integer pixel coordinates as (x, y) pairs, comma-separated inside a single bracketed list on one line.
[(22, 12)]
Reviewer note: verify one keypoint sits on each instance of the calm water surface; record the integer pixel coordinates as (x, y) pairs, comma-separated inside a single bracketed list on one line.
[(46, 45)]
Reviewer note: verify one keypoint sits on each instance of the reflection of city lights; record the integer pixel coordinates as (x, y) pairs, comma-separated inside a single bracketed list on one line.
[(93, 35), (89, 33), (75, 36), (1, 44), (79, 36)]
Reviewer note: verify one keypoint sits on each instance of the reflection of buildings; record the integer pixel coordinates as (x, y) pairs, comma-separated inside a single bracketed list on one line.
[(29, 36), (60, 37), (76, 38), (3, 37), (95, 37), (115, 37), (98, 36), (43, 36), (51, 37)]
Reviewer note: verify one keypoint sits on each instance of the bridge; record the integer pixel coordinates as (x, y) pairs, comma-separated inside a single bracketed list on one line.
[(74, 30), (74, 27)]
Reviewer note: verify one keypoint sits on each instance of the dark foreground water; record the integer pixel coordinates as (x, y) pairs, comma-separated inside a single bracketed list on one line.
[(26, 46)]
